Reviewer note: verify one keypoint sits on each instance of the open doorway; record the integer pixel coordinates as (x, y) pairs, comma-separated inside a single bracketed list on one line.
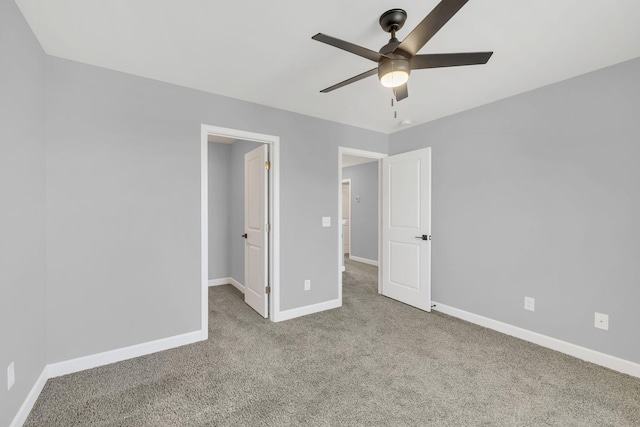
[(360, 208), (403, 223), (238, 218), (225, 264)]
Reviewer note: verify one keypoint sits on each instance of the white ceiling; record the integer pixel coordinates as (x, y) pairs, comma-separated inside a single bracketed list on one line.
[(221, 139), (262, 52), (349, 160)]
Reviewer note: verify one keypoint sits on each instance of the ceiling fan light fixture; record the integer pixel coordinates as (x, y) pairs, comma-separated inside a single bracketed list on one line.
[(394, 79), (393, 72)]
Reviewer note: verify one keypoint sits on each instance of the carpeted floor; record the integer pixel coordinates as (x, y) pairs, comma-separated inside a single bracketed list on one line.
[(372, 362)]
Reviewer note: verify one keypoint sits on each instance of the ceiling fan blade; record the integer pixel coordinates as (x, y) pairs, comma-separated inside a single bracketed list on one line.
[(430, 25), (349, 47), (401, 92), (437, 60), (351, 80)]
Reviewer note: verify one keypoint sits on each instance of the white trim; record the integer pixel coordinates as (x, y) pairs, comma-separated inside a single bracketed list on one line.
[(380, 255), (309, 309), (361, 153), (363, 260), (120, 354), (227, 281), (593, 356), (30, 400), (220, 282), (53, 370), (274, 216), (204, 233), (346, 181), (370, 155)]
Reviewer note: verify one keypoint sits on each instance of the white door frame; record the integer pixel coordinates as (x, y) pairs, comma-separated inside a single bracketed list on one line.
[(347, 181), (274, 216), (370, 155)]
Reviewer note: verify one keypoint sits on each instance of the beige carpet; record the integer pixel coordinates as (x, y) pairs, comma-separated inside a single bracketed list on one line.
[(372, 362)]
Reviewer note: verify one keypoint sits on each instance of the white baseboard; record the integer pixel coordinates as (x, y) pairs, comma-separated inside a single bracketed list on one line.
[(120, 354), (227, 281), (309, 309), (28, 403), (363, 260), (593, 356), (221, 281), (53, 370)]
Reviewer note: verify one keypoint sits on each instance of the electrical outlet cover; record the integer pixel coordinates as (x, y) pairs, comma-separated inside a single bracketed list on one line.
[(602, 321)]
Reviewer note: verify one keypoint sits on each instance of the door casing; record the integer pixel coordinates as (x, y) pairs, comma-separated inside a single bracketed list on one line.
[(379, 157), (348, 182), (274, 215), (370, 155)]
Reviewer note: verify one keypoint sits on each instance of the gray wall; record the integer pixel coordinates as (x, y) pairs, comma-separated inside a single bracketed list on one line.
[(123, 183), (364, 214), (219, 192), (538, 195), (22, 211), (226, 209)]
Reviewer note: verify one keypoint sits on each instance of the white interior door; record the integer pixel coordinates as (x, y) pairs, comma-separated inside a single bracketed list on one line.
[(406, 228), (256, 254)]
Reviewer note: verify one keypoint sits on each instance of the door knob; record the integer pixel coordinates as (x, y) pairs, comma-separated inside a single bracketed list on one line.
[(424, 237), (244, 235)]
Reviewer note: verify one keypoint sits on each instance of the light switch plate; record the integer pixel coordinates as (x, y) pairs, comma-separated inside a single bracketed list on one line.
[(529, 304), (326, 221)]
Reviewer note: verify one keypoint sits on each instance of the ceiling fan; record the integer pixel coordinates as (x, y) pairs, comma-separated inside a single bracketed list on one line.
[(397, 58)]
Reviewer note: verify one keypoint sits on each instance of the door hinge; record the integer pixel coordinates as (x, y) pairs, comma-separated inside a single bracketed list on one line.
[(267, 165), (268, 228), (267, 290)]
